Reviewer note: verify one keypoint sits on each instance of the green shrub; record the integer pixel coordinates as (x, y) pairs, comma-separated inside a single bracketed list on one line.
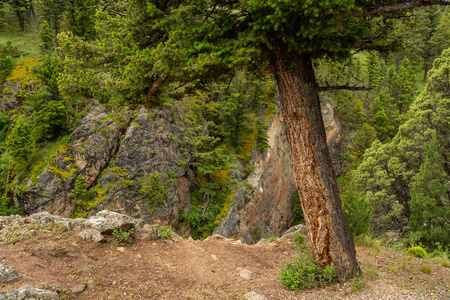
[(425, 269), (4, 125), (20, 143), (298, 239), (155, 191), (165, 232), (123, 237), (417, 251), (6, 66), (305, 273)]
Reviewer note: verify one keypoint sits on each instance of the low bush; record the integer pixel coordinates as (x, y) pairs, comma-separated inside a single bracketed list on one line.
[(305, 273), (417, 251)]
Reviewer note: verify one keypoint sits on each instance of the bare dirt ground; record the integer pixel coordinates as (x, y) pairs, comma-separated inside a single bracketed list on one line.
[(160, 269)]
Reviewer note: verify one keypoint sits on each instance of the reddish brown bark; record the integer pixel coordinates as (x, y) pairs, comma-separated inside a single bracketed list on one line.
[(326, 223)]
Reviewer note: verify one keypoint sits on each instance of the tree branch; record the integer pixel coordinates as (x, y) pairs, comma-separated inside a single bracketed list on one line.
[(155, 86), (343, 87), (399, 7)]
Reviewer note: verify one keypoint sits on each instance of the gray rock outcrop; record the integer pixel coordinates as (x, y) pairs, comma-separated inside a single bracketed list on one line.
[(28, 293), (8, 274)]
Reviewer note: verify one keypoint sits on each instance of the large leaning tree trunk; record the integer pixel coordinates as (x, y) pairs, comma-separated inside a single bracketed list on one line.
[(328, 231)]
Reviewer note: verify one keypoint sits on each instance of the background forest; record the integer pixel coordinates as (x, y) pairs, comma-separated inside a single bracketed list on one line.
[(395, 120)]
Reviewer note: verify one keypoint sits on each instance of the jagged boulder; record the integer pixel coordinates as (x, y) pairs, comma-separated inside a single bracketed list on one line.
[(105, 221)]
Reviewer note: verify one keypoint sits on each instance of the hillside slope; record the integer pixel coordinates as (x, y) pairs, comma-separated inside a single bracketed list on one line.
[(48, 256)]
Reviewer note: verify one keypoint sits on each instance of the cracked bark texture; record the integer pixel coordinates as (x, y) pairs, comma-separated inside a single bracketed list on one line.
[(327, 225)]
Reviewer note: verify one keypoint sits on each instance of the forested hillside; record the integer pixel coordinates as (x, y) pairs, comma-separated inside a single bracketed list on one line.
[(167, 112)]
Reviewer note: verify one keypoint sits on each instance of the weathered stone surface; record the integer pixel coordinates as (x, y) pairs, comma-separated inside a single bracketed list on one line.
[(229, 227), (95, 141), (152, 143), (47, 218), (106, 221), (255, 296), (78, 288), (121, 221), (293, 230), (28, 293), (8, 274), (12, 94), (92, 235), (246, 274), (270, 208), (147, 232), (215, 237), (333, 130)]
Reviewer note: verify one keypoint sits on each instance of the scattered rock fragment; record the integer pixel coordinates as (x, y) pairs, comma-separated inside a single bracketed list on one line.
[(50, 287), (92, 235), (8, 274), (254, 296), (246, 274), (90, 284), (78, 288), (28, 292)]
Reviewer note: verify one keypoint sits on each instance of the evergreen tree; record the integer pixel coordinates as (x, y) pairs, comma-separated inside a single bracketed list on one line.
[(51, 111), (20, 142), (46, 35), (430, 204), (81, 16), (386, 176), (22, 8), (406, 81), (2, 14), (441, 38), (374, 71), (6, 66), (382, 116), (428, 20), (52, 12), (193, 41)]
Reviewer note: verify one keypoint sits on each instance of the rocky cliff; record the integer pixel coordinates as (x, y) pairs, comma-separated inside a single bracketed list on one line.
[(112, 153), (270, 208)]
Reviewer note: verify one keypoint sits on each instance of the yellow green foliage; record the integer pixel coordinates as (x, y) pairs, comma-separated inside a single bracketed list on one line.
[(23, 71)]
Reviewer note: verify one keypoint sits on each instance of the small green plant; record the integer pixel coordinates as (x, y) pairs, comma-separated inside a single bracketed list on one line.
[(165, 232), (122, 237), (305, 273), (272, 238), (154, 189), (182, 163), (445, 262), (127, 183), (171, 176), (425, 269), (358, 284), (298, 239), (171, 137), (369, 242), (417, 251)]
